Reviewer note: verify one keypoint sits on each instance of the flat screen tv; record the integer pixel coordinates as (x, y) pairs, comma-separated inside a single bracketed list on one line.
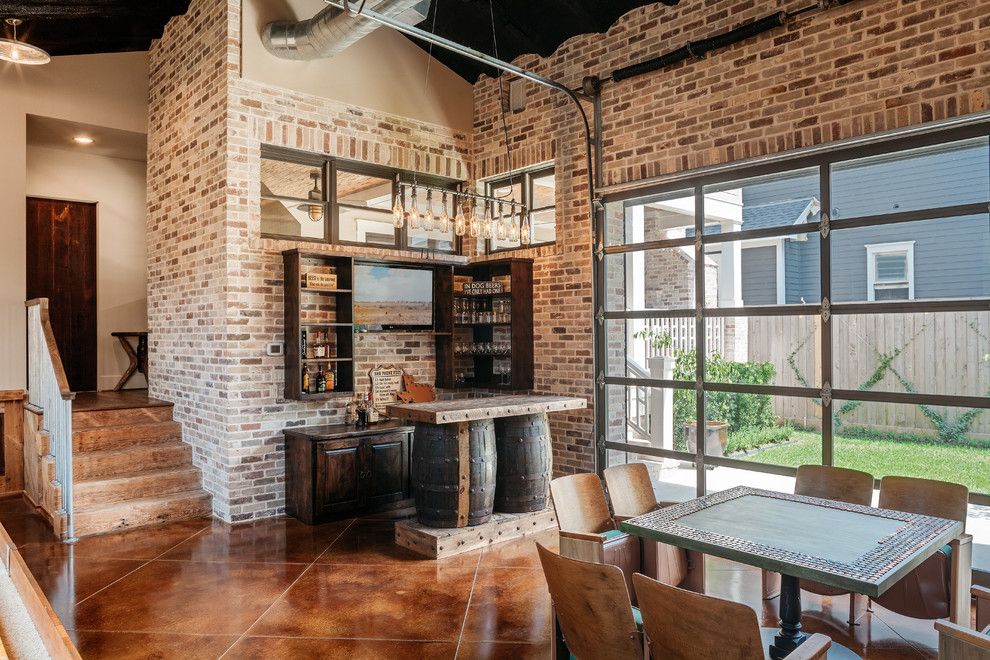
[(393, 296)]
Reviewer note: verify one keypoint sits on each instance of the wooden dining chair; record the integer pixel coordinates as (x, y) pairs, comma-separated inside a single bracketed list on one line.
[(684, 625), (940, 586), (592, 607), (630, 490), (956, 642), (830, 483), (587, 530)]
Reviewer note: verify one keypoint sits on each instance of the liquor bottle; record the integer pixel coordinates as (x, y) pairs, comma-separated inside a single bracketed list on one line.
[(372, 411), (302, 345), (331, 378), (362, 413), (305, 376), (321, 382)]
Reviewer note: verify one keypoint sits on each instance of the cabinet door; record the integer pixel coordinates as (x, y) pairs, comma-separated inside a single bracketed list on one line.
[(387, 468), (337, 478)]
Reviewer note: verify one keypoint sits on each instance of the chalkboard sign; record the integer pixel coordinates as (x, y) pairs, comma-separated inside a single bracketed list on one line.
[(386, 381), (483, 288)]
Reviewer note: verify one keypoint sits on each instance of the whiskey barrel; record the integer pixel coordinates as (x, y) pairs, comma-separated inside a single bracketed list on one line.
[(523, 445), (436, 473)]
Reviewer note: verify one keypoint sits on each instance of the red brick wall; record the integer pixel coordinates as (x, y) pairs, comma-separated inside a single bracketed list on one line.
[(869, 66)]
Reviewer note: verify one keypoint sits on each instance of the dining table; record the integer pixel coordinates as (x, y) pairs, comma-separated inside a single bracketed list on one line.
[(858, 548)]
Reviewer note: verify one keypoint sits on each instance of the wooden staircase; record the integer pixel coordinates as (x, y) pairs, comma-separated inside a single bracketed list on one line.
[(131, 467)]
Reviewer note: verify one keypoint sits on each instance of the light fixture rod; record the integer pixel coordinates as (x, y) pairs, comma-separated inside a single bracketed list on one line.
[(458, 193)]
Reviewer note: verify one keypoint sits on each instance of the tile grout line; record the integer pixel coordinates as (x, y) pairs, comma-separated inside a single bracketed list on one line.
[(164, 552), (268, 609), (467, 608)]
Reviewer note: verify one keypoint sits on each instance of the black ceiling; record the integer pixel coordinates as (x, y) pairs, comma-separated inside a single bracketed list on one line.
[(521, 26), (76, 27), (73, 27)]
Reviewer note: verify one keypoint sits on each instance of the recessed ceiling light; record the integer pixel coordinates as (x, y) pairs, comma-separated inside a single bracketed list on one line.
[(82, 139)]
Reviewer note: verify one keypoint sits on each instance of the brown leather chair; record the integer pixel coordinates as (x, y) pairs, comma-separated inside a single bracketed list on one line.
[(940, 586), (630, 490), (683, 625), (956, 641), (587, 530), (592, 608), (830, 483)]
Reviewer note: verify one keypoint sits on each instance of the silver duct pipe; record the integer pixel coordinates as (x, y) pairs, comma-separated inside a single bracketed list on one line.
[(332, 29)]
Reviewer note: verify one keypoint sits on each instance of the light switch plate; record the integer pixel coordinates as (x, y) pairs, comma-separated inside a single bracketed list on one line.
[(275, 348)]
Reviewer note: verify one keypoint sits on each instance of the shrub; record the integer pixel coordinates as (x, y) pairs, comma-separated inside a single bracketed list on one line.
[(754, 438), (739, 411)]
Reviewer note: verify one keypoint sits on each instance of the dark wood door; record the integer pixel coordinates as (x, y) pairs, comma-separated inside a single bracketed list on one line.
[(387, 468), (338, 485), (61, 266)]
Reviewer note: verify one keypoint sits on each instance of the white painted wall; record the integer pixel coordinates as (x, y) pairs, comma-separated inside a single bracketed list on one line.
[(119, 189), (105, 90), (384, 71)]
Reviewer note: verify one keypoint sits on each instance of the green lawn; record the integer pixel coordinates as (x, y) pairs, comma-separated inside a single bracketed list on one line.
[(965, 465)]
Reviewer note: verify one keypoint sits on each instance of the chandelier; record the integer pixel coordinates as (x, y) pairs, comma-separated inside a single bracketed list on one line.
[(19, 52), (482, 217)]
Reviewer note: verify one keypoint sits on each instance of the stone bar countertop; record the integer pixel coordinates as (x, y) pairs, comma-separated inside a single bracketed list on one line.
[(467, 410)]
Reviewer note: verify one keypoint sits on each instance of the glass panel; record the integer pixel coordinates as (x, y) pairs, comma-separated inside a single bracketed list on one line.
[(367, 191), (282, 179), (891, 267), (762, 428), (673, 480), (544, 226), (659, 217), (652, 279), (944, 175), (723, 478), (366, 226), (931, 442), (762, 350), (291, 218), (776, 200), (950, 257), (648, 416), (508, 189), (544, 189), (780, 270), (662, 349), (930, 353)]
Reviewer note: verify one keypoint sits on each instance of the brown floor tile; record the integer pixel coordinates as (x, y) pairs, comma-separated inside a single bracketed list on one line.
[(520, 553), (188, 597), (25, 529), (269, 540), (503, 651), (509, 604), (338, 649), (143, 544), (407, 601), (373, 542), (140, 646)]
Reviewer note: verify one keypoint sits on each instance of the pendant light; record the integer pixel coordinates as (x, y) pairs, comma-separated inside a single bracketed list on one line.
[(19, 52), (460, 221), (428, 216), (501, 229), (487, 232), (315, 208), (474, 225), (413, 211), (398, 210), (444, 216), (525, 228)]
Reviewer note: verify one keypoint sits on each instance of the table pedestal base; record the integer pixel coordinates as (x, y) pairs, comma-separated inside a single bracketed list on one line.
[(835, 651), (790, 636)]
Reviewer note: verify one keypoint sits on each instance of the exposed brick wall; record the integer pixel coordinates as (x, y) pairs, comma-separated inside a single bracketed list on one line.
[(869, 66), (216, 285)]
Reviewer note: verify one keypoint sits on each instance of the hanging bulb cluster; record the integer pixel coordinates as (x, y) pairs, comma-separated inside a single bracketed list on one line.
[(481, 217)]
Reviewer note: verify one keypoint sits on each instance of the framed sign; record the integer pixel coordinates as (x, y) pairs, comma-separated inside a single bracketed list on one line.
[(386, 381), (314, 280), (482, 288)]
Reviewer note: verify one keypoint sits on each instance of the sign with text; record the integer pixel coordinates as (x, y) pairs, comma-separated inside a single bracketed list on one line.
[(386, 381), (483, 288), (317, 280)]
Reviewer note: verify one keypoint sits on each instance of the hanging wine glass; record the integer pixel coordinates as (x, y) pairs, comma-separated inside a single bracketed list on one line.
[(428, 216), (413, 211), (444, 216), (460, 222)]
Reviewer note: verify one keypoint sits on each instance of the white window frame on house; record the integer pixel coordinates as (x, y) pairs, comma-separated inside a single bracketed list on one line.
[(525, 178), (874, 250)]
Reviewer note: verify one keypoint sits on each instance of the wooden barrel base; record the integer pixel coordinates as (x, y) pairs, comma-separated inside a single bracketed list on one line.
[(524, 459), (453, 473)]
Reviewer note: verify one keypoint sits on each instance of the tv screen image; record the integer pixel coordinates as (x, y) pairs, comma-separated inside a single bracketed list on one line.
[(393, 296)]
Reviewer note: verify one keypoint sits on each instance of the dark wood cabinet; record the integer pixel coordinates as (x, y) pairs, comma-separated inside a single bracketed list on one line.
[(338, 471)]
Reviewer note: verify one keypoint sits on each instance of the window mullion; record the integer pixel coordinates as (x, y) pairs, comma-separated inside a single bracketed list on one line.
[(825, 318)]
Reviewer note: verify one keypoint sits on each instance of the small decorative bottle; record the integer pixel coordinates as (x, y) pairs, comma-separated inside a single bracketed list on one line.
[(321, 382), (373, 416), (331, 378), (305, 378), (362, 413)]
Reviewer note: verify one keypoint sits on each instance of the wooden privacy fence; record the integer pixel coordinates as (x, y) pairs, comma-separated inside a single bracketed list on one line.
[(928, 353)]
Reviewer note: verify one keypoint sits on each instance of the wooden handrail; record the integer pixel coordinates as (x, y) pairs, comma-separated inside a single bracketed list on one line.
[(63, 382)]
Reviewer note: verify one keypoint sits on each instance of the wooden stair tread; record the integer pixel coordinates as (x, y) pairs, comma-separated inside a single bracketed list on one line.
[(118, 437), (127, 487), (143, 501), (86, 419), (184, 505), (105, 463)]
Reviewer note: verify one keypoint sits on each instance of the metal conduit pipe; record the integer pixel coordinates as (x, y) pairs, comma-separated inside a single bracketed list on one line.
[(332, 30)]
